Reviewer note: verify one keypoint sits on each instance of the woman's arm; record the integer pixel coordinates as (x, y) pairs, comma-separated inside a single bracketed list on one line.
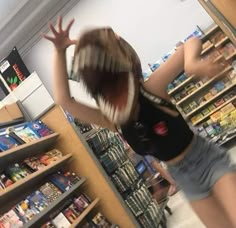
[(186, 58), (61, 92), (156, 165)]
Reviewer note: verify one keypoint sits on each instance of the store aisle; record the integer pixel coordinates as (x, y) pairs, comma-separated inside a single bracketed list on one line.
[(183, 216)]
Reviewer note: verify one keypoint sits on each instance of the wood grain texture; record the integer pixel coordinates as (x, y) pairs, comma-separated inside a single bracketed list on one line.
[(84, 164)]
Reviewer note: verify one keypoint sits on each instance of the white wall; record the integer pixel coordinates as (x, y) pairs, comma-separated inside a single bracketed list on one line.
[(153, 27)]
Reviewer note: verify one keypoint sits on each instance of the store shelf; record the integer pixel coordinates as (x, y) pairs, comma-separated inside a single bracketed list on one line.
[(11, 123), (207, 49), (221, 41), (231, 56), (227, 140), (213, 111), (37, 219), (90, 133), (26, 150), (32, 179), (204, 85), (211, 30), (218, 58), (213, 98), (84, 213), (180, 85)]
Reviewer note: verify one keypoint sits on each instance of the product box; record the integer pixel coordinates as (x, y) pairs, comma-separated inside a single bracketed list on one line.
[(10, 113), (38, 200), (25, 210), (11, 220), (208, 96), (7, 142), (17, 172), (81, 202), (5, 181), (219, 102), (216, 116), (227, 109), (50, 191), (60, 181), (205, 111), (100, 221), (70, 215), (60, 221), (211, 107)]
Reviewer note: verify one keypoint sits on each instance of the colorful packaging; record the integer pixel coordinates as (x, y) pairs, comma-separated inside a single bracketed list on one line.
[(5, 181), (7, 142), (10, 220), (60, 181), (26, 134), (81, 202), (39, 200), (17, 172), (34, 163), (40, 128), (25, 210), (50, 191), (60, 221)]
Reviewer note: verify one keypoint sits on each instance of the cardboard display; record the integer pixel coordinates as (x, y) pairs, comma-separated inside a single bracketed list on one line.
[(10, 113)]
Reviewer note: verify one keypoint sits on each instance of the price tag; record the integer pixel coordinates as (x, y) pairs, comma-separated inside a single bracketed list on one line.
[(4, 65)]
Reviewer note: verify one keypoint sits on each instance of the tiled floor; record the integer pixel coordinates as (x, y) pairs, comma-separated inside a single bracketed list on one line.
[(183, 216)]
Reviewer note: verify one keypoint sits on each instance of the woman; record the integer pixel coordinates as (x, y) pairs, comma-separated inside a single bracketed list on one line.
[(111, 71)]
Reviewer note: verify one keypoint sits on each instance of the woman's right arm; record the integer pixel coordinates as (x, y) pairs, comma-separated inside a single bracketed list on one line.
[(61, 91)]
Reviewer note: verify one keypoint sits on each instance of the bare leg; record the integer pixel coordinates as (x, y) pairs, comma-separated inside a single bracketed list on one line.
[(210, 213), (225, 192)]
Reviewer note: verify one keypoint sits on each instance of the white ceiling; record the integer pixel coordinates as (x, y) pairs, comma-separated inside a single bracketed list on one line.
[(22, 22)]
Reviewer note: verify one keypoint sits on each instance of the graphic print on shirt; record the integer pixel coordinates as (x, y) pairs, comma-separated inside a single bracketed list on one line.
[(160, 128)]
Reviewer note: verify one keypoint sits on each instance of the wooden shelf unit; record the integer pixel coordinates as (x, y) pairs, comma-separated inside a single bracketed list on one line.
[(223, 13), (78, 158), (84, 213), (210, 31), (218, 58), (221, 41), (207, 49), (31, 179), (231, 56), (26, 150), (40, 218), (85, 163)]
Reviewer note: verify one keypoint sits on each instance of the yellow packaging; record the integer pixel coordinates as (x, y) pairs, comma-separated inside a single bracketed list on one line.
[(216, 116), (208, 96), (227, 109)]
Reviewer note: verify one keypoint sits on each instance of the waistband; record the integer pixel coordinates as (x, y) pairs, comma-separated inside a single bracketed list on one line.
[(196, 144)]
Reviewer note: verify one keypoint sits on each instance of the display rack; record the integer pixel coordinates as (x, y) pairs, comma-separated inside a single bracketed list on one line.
[(42, 217), (84, 162), (31, 179), (200, 100), (110, 150), (27, 150), (93, 185)]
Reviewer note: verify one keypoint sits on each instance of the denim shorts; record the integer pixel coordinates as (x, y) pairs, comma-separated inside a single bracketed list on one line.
[(199, 170)]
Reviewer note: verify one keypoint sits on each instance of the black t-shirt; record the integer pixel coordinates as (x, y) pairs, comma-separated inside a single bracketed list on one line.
[(155, 132)]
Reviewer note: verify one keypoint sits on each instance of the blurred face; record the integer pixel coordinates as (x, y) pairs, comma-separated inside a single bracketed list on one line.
[(110, 70)]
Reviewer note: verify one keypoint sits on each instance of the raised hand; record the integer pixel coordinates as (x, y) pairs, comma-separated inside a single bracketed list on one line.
[(60, 38)]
